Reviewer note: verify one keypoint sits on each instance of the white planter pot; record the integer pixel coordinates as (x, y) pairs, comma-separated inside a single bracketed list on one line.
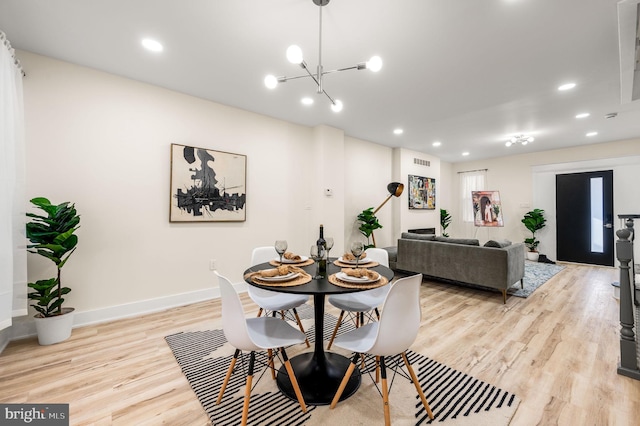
[(533, 255), (55, 329)]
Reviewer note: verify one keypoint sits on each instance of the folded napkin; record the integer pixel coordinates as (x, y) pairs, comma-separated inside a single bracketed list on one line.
[(268, 273), (361, 273), (291, 256), (351, 257)]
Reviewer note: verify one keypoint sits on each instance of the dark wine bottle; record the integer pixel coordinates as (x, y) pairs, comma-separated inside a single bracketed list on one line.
[(322, 263)]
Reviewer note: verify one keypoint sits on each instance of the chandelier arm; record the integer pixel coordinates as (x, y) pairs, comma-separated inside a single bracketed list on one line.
[(340, 69)]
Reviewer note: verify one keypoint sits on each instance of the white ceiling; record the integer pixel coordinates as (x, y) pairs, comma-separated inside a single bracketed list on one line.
[(468, 73)]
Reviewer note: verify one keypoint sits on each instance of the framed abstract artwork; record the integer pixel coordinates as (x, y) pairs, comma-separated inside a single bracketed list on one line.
[(207, 185), (487, 208), (422, 193)]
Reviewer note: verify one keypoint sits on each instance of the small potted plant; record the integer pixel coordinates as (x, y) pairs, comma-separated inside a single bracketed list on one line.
[(368, 224), (533, 221), (52, 236), (445, 221)]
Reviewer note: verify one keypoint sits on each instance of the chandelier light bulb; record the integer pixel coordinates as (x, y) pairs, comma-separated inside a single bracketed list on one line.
[(336, 106), (508, 143), (374, 64), (294, 54), (271, 81)]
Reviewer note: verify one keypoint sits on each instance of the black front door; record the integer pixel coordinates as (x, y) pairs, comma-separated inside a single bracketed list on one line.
[(584, 217)]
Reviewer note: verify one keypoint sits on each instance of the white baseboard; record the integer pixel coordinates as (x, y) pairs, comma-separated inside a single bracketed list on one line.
[(24, 326)]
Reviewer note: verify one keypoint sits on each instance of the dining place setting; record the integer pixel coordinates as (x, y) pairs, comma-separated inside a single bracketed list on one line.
[(355, 267)]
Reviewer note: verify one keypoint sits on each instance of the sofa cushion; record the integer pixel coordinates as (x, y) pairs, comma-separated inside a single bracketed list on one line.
[(392, 252), (412, 236), (497, 244), (465, 241)]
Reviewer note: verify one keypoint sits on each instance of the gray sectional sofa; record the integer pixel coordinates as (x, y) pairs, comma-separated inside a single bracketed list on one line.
[(496, 264)]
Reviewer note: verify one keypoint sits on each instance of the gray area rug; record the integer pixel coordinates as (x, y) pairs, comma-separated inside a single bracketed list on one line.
[(455, 398), (535, 274)]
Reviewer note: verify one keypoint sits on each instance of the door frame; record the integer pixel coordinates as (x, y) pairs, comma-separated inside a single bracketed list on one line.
[(544, 194)]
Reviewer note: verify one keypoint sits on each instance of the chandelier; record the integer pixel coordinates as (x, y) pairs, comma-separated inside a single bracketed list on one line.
[(521, 139), (294, 55)]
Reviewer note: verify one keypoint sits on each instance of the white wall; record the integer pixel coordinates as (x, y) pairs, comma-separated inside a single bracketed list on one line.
[(103, 142), (513, 176)]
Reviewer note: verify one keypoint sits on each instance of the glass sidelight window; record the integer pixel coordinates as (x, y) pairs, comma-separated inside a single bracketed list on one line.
[(597, 219)]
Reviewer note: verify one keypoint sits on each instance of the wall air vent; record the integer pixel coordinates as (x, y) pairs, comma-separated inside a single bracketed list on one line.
[(629, 40), (422, 162)]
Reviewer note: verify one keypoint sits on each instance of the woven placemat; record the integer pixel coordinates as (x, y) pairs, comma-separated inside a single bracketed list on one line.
[(303, 278), (353, 265), (301, 264), (340, 283)]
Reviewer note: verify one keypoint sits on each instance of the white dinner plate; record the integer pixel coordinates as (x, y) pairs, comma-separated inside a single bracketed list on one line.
[(348, 278), (302, 259), (279, 278), (353, 262)]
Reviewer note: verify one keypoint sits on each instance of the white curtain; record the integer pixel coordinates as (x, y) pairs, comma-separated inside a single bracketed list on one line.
[(474, 180), (13, 263)]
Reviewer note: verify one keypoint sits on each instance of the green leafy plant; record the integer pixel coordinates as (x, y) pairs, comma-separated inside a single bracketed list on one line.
[(51, 236), (533, 221), (368, 224), (445, 220)]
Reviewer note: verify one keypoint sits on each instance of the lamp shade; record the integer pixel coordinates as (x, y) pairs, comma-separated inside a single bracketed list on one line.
[(395, 188)]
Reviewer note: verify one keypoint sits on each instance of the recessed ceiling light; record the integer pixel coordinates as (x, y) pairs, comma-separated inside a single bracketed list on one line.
[(398, 131), (307, 101), (437, 143), (152, 45), (465, 153), (567, 86), (583, 115), (592, 134)]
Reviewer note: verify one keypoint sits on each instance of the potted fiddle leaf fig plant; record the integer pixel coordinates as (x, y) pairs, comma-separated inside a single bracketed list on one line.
[(445, 221), (533, 221), (368, 224), (52, 236)]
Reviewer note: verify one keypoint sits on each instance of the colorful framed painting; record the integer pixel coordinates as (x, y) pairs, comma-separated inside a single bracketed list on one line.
[(487, 208), (207, 185), (422, 193)]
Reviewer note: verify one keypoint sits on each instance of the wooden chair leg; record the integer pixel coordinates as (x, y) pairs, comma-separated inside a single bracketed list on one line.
[(247, 390), (335, 330), (295, 313), (345, 380), (271, 364), (385, 393), (294, 381), (504, 296), (377, 369), (416, 383), (259, 312), (377, 313), (282, 314), (236, 354)]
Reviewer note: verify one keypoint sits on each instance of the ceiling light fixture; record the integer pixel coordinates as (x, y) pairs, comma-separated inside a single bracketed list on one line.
[(152, 45), (583, 115), (590, 134), (567, 86), (398, 131), (294, 55), (436, 143), (521, 139)]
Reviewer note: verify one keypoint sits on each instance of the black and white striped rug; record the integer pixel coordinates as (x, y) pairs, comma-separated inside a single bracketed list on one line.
[(455, 398)]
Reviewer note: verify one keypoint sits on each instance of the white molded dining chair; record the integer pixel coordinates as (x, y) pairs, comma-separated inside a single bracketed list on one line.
[(255, 334), (391, 335), (363, 301), (269, 301)]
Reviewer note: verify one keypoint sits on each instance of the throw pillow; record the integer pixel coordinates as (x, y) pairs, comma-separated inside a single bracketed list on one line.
[(497, 244), (412, 236)]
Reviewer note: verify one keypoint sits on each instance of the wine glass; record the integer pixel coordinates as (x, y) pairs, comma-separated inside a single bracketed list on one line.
[(281, 247), (357, 248), (329, 245), (317, 253)]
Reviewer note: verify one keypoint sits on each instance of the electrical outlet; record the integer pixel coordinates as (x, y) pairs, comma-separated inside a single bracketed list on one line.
[(212, 265)]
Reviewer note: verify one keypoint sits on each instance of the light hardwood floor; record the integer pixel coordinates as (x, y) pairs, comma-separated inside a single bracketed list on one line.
[(558, 350)]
